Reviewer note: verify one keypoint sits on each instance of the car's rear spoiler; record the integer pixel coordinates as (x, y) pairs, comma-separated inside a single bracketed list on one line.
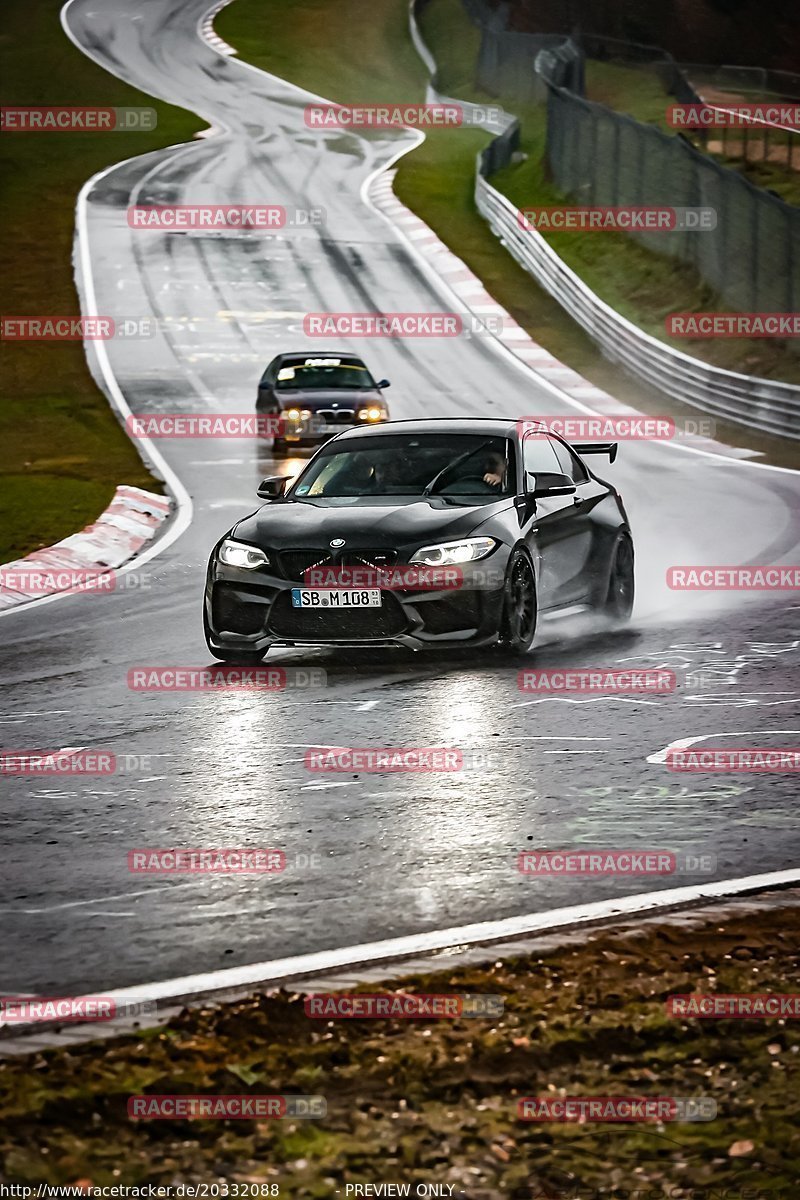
[(609, 448)]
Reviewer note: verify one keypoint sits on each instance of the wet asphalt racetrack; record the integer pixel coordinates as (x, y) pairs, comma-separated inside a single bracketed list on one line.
[(369, 856)]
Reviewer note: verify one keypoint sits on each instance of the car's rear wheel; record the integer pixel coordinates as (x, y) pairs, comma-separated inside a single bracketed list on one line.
[(618, 604), (518, 627)]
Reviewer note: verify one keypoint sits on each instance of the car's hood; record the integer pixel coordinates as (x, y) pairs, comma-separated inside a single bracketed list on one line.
[(363, 522), (315, 398)]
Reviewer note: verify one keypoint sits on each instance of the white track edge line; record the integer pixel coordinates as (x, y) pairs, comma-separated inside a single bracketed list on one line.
[(189, 987)]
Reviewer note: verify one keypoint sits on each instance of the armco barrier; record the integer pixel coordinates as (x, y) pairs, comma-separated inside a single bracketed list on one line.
[(759, 403), (765, 404)]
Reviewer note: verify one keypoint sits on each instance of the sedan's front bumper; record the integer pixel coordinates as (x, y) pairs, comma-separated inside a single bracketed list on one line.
[(243, 613), (314, 430)]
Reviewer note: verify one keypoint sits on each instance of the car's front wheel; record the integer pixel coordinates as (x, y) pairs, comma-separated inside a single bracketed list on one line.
[(518, 627), (618, 604)]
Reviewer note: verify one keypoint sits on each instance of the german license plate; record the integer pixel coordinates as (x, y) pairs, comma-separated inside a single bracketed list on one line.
[(336, 597)]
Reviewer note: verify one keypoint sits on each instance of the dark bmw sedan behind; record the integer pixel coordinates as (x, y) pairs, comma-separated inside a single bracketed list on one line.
[(514, 515), (314, 396)]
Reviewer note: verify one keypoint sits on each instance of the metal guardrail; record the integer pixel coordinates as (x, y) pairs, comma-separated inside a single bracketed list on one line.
[(765, 404)]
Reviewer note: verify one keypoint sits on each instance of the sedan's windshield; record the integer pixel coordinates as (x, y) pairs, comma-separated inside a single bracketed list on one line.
[(440, 464), (317, 373)]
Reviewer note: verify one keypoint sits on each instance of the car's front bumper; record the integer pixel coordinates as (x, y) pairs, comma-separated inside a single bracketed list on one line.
[(243, 613), (313, 430)]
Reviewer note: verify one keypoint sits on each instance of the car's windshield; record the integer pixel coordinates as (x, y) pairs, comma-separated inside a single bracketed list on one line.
[(440, 464), (316, 373)]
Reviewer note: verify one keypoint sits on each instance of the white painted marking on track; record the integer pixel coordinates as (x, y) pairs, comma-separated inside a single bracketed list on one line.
[(597, 751), (682, 743), (483, 932), (591, 700), (322, 787), (50, 712), (100, 899)]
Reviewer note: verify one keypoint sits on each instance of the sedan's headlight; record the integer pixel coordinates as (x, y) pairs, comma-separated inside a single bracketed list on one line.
[(449, 553), (297, 414), (238, 554), (373, 414)]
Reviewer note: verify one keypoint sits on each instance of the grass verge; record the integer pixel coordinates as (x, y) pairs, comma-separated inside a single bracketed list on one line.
[(427, 1101), (64, 451)]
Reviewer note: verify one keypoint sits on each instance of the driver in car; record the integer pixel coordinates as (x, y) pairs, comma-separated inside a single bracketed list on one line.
[(495, 469)]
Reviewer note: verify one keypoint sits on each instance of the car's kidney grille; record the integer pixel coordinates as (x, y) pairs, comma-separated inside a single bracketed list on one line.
[(326, 625), (336, 416), (294, 562)]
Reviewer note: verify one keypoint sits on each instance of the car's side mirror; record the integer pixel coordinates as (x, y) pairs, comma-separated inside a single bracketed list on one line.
[(548, 483), (273, 487), (383, 383)]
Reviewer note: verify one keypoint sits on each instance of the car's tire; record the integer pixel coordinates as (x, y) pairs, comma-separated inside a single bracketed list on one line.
[(618, 602), (279, 447), (520, 609)]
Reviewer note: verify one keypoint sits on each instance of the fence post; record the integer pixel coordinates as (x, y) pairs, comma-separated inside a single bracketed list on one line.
[(617, 126), (755, 290)]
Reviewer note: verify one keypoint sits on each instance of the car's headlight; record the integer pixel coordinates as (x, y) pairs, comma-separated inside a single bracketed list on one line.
[(297, 414), (448, 553), (373, 414), (237, 554)]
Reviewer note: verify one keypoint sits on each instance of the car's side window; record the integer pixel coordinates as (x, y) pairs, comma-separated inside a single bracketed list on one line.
[(539, 455), (570, 464)]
